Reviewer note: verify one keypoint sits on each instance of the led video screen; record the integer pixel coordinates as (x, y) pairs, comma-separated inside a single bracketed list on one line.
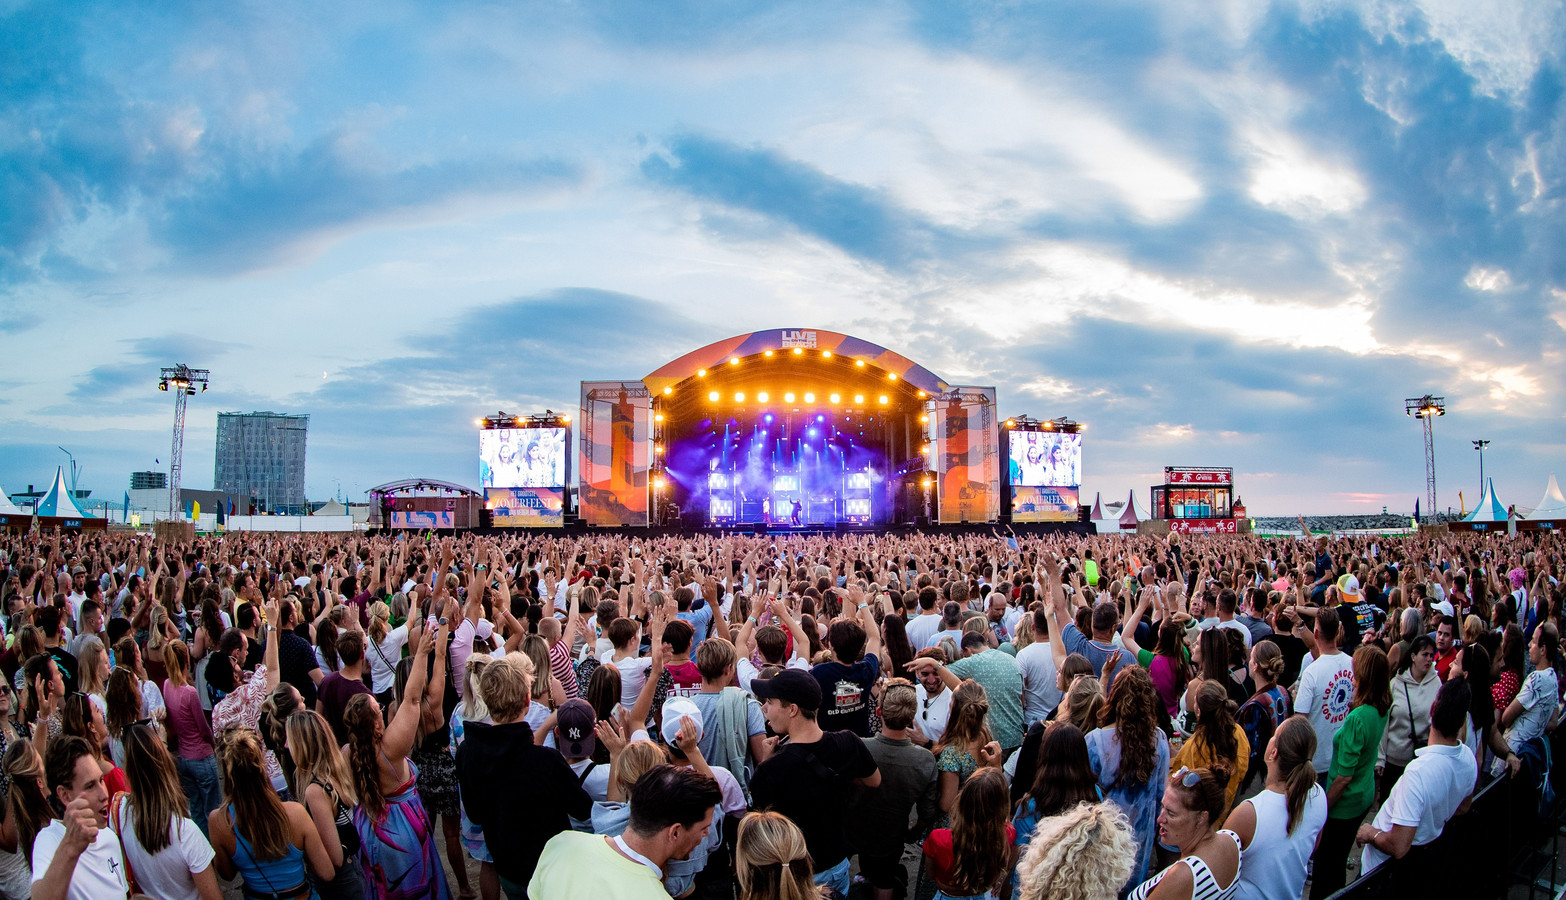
[(526, 507), (1043, 504), (1045, 459), (522, 457)]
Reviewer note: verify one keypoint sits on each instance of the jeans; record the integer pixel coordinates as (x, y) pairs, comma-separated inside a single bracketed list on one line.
[(836, 878), (199, 778)]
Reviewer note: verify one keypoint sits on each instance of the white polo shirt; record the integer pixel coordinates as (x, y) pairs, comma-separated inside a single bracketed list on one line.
[(1432, 788)]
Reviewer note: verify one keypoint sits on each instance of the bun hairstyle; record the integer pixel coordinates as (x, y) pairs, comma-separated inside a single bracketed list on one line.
[(1269, 660), (1207, 794), (1295, 741)]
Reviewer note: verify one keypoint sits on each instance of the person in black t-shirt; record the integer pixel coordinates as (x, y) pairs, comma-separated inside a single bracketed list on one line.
[(846, 682), (806, 777), (295, 656)]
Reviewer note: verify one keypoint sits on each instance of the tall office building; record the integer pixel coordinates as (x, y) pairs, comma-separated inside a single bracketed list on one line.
[(261, 455), (149, 481)]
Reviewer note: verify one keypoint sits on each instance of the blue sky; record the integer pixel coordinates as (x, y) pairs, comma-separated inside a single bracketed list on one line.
[(1233, 233)]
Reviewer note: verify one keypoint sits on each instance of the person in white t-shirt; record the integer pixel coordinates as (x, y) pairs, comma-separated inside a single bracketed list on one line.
[(1040, 683), (1326, 687), (935, 702), (625, 637), (924, 626), (77, 858), (1433, 787), (175, 860)]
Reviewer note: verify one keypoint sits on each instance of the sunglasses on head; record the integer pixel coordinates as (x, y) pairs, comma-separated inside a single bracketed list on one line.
[(1188, 777)]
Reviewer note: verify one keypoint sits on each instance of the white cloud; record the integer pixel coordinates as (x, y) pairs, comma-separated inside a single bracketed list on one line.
[(1285, 176), (1481, 278)]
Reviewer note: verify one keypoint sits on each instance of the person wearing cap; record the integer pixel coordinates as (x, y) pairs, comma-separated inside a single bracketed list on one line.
[(1358, 615), (808, 773), (574, 722), (520, 793)]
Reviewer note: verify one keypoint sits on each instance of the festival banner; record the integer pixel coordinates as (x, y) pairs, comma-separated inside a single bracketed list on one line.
[(526, 507), (1204, 526), (423, 519), (1173, 475), (615, 430), (1043, 504), (967, 452)]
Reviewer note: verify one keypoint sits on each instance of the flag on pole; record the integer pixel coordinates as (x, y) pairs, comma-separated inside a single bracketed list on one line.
[(1416, 509), (127, 506)]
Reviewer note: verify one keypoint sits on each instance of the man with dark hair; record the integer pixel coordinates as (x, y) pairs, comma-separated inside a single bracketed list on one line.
[(296, 658), (1326, 687), (950, 626), (255, 648), (846, 680), (89, 625), (339, 687), (995, 671), (77, 857), (671, 812), (1228, 605), (1433, 788), (808, 777), (1446, 645), (51, 623), (924, 626), (677, 637), (1101, 646), (878, 817)]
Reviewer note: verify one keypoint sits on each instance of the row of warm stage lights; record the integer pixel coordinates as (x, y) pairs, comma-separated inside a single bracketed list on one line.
[(789, 398)]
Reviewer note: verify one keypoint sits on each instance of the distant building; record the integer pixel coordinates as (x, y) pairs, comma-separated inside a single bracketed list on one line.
[(261, 455), (149, 481)]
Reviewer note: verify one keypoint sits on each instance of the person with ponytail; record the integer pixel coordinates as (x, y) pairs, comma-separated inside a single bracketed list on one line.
[(164, 851), (1209, 863), (1278, 827), (1085, 853), (1217, 742), (27, 812), (322, 782), (1351, 784), (770, 859), (384, 650), (270, 843), (396, 842), (1130, 755), (965, 747), (970, 859), (1267, 709)]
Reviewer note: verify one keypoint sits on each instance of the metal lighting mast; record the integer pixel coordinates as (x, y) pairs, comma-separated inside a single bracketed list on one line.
[(1427, 408), (183, 380), (1480, 445)]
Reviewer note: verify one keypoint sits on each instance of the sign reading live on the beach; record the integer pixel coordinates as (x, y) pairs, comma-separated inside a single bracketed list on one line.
[(803, 339), (1204, 526), (1197, 476)]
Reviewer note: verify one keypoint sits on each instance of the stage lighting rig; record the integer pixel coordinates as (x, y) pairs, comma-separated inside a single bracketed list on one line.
[(1426, 409), (546, 419), (183, 379)]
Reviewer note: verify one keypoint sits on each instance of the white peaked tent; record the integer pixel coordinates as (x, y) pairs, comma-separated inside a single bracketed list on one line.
[(59, 503), (1552, 505), (1489, 508), (7, 508)]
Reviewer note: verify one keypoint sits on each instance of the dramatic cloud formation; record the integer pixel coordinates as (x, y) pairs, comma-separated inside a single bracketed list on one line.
[(1222, 234)]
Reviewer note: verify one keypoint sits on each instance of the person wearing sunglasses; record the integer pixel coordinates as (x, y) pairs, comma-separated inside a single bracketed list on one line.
[(1209, 863)]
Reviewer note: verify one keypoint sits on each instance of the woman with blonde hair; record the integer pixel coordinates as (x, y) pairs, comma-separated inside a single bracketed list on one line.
[(384, 650), (1083, 854), (548, 693), (27, 812), (322, 781), (94, 669), (164, 850), (270, 843), (965, 747), (770, 859)]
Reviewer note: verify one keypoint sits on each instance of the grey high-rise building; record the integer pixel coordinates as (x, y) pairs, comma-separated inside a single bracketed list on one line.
[(148, 481), (261, 455)]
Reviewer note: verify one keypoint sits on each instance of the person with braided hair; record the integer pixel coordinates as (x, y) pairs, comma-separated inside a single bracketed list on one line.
[(271, 844), (1130, 755), (396, 842)]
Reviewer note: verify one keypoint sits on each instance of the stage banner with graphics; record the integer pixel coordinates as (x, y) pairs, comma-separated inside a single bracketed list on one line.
[(526, 507), (967, 452), (615, 430), (1204, 526), (1043, 504), (423, 519)]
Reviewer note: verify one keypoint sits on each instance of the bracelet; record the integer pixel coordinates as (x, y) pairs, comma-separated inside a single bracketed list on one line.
[(750, 620)]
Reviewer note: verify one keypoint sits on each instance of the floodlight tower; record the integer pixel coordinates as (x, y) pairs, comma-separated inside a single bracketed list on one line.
[(183, 380), (1427, 408)]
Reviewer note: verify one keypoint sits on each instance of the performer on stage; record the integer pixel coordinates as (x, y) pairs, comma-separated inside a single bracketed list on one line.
[(798, 508)]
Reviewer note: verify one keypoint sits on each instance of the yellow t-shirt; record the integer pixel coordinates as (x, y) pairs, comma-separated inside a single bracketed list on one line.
[(1195, 754), (576, 865)]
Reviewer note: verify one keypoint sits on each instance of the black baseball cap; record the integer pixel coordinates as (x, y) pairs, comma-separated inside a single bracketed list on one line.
[(790, 686)]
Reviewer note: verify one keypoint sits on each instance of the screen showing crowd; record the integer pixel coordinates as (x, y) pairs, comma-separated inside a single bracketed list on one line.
[(522, 457), (1046, 459)]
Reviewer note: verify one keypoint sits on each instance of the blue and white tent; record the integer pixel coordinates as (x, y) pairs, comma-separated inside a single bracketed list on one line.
[(59, 503), (7, 508), (1489, 509)]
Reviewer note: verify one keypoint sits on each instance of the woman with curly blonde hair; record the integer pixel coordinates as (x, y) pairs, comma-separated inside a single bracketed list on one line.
[(1085, 853), (1130, 755)]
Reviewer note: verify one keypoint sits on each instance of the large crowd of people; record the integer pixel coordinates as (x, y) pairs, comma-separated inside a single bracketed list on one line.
[(770, 717)]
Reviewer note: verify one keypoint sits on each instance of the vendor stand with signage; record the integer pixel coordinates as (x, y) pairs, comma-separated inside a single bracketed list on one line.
[(1198, 500)]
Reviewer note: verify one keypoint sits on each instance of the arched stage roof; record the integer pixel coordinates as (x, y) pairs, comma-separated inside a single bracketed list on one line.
[(414, 485), (810, 340)]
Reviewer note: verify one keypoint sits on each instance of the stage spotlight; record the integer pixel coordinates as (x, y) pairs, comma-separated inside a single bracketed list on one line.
[(820, 418), (788, 397), (762, 397), (713, 396), (1011, 423), (925, 449), (859, 398), (767, 417), (883, 399), (836, 398), (739, 397), (565, 420), (927, 482), (826, 354), (891, 376), (923, 395), (667, 391), (734, 360), (658, 448), (924, 418), (860, 363), (657, 484), (798, 351), (768, 353), (812, 432), (701, 373), (478, 422), (658, 417), (810, 398)]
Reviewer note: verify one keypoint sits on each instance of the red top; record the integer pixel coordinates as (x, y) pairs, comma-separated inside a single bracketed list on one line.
[(1504, 691), (938, 849), (115, 781)]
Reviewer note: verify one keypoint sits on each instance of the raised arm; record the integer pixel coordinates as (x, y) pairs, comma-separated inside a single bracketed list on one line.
[(1128, 633), (403, 730)]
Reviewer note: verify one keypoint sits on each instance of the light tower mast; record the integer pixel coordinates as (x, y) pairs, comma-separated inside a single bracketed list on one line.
[(1427, 408), (183, 380)]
